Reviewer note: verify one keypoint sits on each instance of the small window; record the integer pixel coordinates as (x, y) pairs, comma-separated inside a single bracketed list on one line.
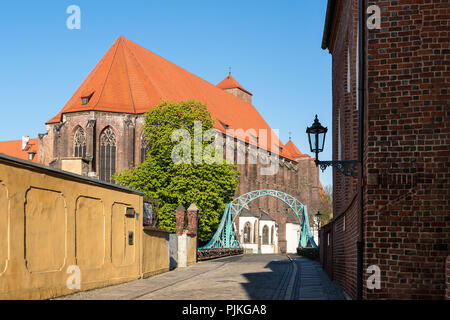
[(85, 100), (247, 232), (339, 134), (265, 235), (31, 156), (349, 82)]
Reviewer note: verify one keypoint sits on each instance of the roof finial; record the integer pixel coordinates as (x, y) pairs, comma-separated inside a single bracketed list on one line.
[(290, 135), (229, 72)]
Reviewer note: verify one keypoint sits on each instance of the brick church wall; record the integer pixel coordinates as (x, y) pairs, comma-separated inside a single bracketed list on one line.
[(303, 184)]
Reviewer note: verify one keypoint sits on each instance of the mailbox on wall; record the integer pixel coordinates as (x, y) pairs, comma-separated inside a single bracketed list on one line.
[(130, 238), (130, 213)]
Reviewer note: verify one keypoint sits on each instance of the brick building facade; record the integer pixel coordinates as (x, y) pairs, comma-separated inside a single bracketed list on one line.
[(395, 214), (103, 123)]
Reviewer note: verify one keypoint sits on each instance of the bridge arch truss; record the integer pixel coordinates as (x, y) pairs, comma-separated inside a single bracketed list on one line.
[(226, 237)]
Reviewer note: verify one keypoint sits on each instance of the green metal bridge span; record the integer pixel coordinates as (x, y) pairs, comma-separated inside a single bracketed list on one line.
[(225, 236)]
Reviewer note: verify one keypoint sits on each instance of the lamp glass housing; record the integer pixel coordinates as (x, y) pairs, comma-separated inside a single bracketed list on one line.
[(316, 136), (318, 217)]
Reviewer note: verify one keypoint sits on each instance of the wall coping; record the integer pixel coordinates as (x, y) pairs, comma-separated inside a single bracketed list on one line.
[(57, 172), (150, 228)]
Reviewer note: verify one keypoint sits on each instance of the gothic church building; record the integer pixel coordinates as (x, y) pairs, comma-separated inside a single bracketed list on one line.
[(102, 124)]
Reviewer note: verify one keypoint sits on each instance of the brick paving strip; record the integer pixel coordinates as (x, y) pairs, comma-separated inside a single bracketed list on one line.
[(138, 288), (312, 283)]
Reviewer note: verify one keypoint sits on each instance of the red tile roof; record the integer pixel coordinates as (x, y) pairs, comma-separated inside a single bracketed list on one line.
[(14, 149), (292, 149), (132, 79), (229, 83)]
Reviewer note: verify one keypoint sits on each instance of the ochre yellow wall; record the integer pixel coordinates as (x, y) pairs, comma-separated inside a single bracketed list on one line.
[(192, 250), (50, 221), (155, 252)]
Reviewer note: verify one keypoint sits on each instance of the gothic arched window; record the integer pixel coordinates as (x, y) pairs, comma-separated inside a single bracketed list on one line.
[(265, 235), (247, 232), (144, 146), (107, 154), (79, 143)]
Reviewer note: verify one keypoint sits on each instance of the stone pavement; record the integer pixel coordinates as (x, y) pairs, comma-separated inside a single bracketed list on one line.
[(248, 277), (312, 283)]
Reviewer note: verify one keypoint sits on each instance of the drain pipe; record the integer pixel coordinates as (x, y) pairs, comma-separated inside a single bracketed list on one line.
[(361, 106)]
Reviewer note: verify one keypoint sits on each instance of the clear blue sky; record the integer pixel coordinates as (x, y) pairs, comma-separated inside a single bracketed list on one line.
[(272, 46)]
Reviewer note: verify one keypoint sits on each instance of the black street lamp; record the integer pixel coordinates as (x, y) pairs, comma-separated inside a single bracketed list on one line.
[(318, 217), (316, 136)]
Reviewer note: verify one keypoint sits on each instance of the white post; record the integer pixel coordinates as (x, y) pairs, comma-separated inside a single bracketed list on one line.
[(182, 251)]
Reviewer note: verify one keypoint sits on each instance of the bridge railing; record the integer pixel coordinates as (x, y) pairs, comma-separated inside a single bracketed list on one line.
[(208, 254)]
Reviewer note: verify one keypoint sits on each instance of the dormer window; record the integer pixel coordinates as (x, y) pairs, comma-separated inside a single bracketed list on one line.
[(85, 99)]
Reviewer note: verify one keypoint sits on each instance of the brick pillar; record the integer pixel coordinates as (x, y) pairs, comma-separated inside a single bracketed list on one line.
[(128, 136), (258, 237), (90, 144), (179, 216), (57, 146), (192, 213)]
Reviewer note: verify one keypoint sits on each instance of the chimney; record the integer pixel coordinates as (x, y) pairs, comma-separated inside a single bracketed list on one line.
[(25, 140)]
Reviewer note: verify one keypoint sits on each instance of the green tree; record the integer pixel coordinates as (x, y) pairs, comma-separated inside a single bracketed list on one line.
[(210, 186)]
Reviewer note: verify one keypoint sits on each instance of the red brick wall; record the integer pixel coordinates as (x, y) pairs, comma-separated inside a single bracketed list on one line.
[(341, 254), (447, 278), (339, 257), (406, 149)]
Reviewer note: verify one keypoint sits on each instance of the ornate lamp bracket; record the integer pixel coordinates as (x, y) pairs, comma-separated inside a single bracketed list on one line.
[(346, 167)]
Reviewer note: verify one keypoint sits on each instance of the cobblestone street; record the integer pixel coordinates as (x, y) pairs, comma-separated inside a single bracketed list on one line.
[(248, 277)]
